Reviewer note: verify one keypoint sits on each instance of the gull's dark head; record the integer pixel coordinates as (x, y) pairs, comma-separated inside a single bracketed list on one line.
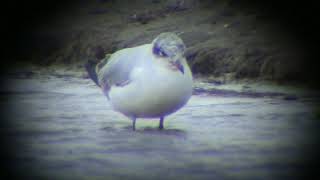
[(171, 47)]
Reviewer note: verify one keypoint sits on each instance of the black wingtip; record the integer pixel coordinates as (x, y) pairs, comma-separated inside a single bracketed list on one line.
[(90, 68)]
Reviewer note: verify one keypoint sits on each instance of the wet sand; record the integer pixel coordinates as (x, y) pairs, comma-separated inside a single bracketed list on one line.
[(64, 128)]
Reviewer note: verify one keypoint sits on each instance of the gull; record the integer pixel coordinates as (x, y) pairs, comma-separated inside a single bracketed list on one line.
[(148, 81)]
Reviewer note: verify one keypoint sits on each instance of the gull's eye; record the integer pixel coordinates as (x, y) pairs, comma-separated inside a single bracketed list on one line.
[(162, 53), (158, 51)]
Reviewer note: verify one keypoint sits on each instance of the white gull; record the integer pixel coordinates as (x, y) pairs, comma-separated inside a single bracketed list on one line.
[(147, 81)]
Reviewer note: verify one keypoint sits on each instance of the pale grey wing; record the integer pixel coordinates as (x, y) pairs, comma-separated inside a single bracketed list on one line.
[(117, 70)]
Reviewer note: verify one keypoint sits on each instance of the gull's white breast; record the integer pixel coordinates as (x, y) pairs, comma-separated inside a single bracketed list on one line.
[(154, 89)]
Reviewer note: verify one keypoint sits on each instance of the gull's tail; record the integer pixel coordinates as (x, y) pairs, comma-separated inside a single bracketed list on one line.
[(90, 66)]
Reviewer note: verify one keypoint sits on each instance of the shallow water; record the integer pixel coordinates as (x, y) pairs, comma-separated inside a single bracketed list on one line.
[(65, 128)]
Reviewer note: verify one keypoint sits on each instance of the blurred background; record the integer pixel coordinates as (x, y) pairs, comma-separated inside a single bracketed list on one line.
[(254, 114), (226, 39)]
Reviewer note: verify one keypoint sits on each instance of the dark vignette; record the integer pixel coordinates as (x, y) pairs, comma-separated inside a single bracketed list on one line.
[(22, 17)]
